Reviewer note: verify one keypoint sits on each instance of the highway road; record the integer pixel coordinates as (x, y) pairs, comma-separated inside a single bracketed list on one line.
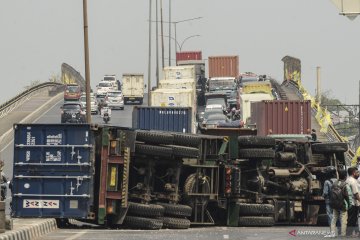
[(199, 233), (124, 118)]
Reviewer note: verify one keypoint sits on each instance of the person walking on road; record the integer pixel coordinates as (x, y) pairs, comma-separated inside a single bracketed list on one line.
[(330, 179), (353, 212), (340, 200)]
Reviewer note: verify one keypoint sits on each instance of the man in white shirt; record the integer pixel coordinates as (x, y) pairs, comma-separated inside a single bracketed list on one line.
[(353, 211)]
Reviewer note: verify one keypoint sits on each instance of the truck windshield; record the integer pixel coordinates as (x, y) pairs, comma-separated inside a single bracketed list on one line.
[(221, 84)]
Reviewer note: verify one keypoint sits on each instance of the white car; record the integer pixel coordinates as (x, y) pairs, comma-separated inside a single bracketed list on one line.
[(103, 88), (115, 99), (94, 105)]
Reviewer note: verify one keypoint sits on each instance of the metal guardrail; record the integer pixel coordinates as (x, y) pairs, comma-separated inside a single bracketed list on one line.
[(332, 134), (19, 99)]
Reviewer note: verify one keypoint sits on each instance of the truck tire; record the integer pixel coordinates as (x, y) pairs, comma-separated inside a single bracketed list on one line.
[(181, 151), (256, 141), (145, 210), (175, 223), (256, 221), (153, 150), (256, 209), (331, 147), (187, 140), (256, 153), (143, 223), (176, 210), (154, 137), (141, 101)]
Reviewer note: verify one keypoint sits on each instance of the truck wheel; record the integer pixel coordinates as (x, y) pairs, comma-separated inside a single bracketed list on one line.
[(329, 147), (154, 137), (181, 151), (153, 150), (187, 140), (256, 221), (175, 223), (256, 209), (145, 210), (190, 187), (143, 223), (256, 141), (260, 153), (141, 101), (176, 210)]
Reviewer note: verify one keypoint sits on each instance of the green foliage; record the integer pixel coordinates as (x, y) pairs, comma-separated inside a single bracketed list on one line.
[(328, 99)]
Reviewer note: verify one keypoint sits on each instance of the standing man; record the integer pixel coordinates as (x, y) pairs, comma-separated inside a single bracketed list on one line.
[(340, 204), (330, 179), (313, 135), (353, 211)]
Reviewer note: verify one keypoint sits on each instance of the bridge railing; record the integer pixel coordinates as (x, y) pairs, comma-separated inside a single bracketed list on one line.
[(331, 134), (19, 99)]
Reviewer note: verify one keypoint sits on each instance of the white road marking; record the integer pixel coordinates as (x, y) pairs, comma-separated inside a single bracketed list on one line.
[(226, 236)]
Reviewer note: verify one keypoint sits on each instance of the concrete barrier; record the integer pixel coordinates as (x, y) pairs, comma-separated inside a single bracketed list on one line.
[(29, 228)]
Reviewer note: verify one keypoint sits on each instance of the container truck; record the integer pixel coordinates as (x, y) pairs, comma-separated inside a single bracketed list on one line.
[(133, 88), (114, 176)]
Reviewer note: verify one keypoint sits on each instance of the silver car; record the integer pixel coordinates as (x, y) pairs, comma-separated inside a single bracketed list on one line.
[(93, 102), (115, 99)]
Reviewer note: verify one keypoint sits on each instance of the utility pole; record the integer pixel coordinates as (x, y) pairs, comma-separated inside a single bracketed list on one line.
[(170, 32), (318, 86), (157, 43), (162, 36), (87, 65), (149, 63)]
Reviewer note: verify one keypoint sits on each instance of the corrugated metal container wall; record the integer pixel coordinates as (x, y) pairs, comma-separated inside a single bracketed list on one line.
[(223, 66), (53, 171), (179, 72), (175, 119), (281, 117), (178, 84), (191, 55)]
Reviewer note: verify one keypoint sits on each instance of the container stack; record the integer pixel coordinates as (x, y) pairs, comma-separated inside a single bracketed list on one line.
[(177, 89)]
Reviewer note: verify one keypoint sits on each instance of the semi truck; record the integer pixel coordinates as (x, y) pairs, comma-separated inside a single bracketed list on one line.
[(113, 176), (133, 88)]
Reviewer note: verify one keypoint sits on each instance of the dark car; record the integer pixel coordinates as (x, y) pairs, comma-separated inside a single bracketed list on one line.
[(72, 112)]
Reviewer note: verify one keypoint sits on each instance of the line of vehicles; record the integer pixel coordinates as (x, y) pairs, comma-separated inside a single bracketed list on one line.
[(110, 94), (266, 170)]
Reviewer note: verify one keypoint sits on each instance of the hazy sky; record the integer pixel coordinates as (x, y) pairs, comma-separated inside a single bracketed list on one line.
[(38, 35)]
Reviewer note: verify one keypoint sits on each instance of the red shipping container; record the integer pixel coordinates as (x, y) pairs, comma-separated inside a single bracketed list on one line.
[(224, 66), (281, 117), (192, 55)]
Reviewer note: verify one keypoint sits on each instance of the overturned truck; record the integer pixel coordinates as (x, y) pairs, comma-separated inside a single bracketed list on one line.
[(114, 176)]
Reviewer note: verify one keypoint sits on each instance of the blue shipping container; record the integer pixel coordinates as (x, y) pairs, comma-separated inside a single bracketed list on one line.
[(53, 170), (174, 119)]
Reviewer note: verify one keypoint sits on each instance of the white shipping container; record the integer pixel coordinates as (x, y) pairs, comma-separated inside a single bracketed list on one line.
[(172, 98), (179, 72), (177, 84), (175, 98)]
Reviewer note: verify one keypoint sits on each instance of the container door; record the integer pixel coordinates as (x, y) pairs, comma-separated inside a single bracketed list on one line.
[(53, 167)]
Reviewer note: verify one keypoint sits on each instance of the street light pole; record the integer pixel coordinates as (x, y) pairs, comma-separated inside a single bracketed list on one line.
[(149, 63), (177, 44), (87, 65), (169, 32)]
